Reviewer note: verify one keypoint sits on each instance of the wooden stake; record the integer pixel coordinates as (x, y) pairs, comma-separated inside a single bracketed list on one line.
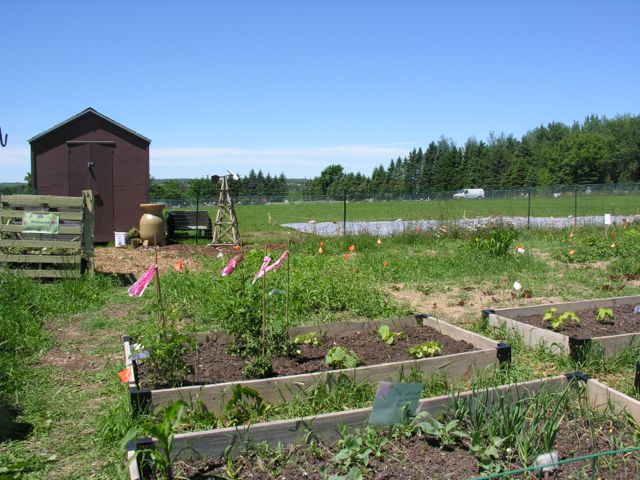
[(264, 306), (286, 304), (158, 291)]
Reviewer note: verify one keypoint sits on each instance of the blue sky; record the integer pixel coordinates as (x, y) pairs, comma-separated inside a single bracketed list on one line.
[(293, 86)]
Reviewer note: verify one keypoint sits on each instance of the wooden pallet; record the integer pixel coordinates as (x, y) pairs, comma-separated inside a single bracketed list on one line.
[(65, 254)]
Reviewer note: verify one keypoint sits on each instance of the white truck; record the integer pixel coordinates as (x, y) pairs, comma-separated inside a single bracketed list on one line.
[(469, 193)]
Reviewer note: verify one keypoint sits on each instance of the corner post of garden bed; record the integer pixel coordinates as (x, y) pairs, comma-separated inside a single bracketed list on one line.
[(140, 468), (503, 352), (636, 382), (578, 348), (140, 400), (577, 376)]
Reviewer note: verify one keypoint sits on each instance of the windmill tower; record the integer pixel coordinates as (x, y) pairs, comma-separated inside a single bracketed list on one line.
[(225, 228)]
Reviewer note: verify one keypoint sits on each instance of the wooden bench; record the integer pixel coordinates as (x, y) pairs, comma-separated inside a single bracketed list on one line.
[(189, 220)]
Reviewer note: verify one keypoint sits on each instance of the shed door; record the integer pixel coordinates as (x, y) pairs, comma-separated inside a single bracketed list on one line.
[(91, 168)]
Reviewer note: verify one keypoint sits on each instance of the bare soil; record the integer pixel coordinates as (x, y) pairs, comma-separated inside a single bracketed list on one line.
[(624, 321), (211, 363), (417, 458), (135, 261)]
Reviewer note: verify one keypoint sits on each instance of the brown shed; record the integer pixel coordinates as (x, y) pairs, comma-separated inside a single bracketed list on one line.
[(89, 151)]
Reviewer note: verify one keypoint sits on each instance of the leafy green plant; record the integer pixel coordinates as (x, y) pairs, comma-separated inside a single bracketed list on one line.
[(340, 357), (167, 347), (357, 448), (496, 240), (245, 404), (446, 435), (604, 315), (557, 321), (259, 366), (487, 454), (427, 349), (386, 335), (549, 314), (159, 453), (310, 338)]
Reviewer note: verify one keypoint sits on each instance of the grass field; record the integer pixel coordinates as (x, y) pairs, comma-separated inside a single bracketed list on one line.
[(263, 218), (65, 337)]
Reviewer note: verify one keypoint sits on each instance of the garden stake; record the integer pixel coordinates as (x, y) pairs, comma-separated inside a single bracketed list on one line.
[(160, 310), (264, 305), (286, 304)]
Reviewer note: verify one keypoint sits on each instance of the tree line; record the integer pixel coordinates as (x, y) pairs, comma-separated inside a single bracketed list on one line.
[(252, 185), (599, 150)]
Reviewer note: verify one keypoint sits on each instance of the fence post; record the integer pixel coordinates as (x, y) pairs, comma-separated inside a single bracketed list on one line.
[(575, 206), (344, 214), (529, 208), (197, 214)]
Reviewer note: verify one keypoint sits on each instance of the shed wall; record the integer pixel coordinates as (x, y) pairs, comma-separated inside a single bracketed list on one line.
[(50, 169)]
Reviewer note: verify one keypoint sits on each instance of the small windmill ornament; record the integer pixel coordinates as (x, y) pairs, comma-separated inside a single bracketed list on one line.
[(225, 228)]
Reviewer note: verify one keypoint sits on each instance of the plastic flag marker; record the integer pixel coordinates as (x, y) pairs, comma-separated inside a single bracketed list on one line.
[(260, 272), (138, 288), (231, 266), (125, 374)]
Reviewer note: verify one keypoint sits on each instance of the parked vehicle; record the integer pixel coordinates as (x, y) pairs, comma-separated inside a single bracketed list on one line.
[(469, 193)]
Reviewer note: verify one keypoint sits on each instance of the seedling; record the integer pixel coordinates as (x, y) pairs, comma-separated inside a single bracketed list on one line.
[(310, 338), (604, 315), (160, 452), (549, 314), (386, 335), (339, 357), (427, 349), (557, 321)]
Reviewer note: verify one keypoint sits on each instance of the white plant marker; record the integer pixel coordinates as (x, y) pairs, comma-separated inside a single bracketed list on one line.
[(517, 286), (545, 459)]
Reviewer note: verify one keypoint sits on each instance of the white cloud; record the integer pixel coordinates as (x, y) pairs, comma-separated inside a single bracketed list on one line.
[(15, 162)]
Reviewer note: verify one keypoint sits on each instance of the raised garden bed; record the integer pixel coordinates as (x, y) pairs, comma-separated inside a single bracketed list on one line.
[(576, 435), (571, 337), (463, 352)]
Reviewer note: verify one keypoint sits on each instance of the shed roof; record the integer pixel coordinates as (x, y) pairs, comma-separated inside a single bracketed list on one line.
[(88, 111)]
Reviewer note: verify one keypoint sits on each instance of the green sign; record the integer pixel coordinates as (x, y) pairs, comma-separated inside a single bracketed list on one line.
[(34, 222), (393, 401)]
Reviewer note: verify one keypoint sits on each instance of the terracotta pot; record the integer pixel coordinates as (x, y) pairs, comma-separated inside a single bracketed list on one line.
[(152, 225)]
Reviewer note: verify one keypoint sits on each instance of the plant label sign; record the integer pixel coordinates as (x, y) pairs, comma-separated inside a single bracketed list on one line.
[(393, 401), (34, 222), (607, 219)]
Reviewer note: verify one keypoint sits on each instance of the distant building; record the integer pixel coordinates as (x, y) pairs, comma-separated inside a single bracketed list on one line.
[(89, 151)]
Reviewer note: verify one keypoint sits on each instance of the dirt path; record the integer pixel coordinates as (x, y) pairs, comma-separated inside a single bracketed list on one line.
[(77, 386)]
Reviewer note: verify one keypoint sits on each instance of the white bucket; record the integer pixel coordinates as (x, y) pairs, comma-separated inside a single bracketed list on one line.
[(120, 239)]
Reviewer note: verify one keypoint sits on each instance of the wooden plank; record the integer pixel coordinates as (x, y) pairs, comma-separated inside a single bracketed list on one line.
[(134, 471), (213, 443), (128, 349), (50, 273), (601, 396), (282, 389), (568, 306), (52, 201), (459, 333), (532, 336), (40, 244), (68, 215), (612, 344), (67, 259), (62, 230)]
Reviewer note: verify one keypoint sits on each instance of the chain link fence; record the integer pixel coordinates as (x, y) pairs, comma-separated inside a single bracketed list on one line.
[(353, 212)]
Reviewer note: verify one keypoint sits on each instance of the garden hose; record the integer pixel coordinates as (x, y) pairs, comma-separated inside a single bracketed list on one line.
[(560, 462)]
